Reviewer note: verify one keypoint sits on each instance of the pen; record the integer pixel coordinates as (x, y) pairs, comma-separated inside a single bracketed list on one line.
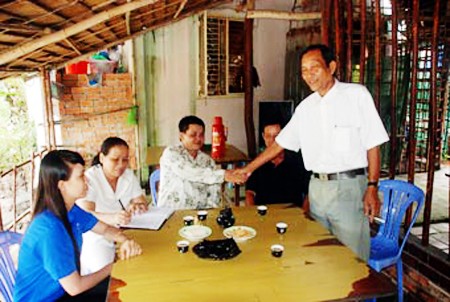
[(121, 204)]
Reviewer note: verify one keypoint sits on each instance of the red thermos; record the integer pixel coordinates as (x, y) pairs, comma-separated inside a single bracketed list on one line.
[(218, 138)]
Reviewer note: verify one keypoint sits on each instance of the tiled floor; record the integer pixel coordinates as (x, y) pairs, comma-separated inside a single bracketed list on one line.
[(439, 231), (438, 235)]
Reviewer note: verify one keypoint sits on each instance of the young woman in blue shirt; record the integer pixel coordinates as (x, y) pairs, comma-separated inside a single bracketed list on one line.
[(49, 257)]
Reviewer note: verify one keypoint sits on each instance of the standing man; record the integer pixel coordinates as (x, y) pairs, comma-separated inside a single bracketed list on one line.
[(339, 131), (281, 180)]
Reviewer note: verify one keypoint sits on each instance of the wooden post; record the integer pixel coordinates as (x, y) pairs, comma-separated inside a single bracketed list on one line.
[(377, 54), (348, 71), (411, 149), (51, 143), (325, 8), (1, 220), (14, 196), (432, 124), (32, 180), (393, 111), (362, 55), (412, 106), (248, 85), (338, 38)]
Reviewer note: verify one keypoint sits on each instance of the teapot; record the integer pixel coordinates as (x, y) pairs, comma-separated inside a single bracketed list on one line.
[(226, 218)]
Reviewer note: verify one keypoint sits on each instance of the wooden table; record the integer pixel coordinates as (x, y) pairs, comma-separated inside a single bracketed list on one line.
[(232, 156), (314, 266)]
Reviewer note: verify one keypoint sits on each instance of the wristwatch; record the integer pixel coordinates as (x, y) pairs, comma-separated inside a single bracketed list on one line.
[(373, 183)]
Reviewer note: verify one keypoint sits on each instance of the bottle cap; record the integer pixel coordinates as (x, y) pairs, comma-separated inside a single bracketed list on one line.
[(217, 120)]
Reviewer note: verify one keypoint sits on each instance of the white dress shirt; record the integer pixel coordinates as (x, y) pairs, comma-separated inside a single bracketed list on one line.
[(336, 130)]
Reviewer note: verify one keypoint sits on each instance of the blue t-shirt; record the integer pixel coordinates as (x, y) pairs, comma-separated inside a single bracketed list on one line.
[(47, 255)]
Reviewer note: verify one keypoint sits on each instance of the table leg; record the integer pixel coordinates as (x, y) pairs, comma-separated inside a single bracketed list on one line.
[(237, 194)]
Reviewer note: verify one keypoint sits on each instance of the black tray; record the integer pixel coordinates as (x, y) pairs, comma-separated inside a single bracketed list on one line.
[(217, 249)]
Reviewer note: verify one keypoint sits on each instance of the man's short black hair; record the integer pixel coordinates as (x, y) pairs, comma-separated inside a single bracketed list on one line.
[(273, 121), (327, 54), (184, 123)]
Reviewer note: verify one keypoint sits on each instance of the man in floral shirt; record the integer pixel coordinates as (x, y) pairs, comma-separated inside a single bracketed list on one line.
[(189, 177)]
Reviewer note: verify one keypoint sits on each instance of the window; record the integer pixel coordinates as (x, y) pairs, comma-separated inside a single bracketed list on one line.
[(221, 56)]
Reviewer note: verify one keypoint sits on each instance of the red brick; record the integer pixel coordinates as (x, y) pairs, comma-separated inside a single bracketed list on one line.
[(78, 90), (81, 101)]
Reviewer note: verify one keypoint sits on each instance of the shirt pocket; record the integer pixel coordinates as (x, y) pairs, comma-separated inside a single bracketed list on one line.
[(342, 138)]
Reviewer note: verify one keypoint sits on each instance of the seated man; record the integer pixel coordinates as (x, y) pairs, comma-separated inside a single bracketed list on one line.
[(281, 180), (189, 177)]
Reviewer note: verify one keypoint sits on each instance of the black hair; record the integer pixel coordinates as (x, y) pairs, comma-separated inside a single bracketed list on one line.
[(107, 144), (184, 123), (55, 167), (327, 54)]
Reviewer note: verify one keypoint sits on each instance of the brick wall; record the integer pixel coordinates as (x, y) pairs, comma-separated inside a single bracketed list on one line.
[(91, 114), (426, 273)]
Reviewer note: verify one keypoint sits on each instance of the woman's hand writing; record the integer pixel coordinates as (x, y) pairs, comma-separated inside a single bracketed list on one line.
[(122, 217)]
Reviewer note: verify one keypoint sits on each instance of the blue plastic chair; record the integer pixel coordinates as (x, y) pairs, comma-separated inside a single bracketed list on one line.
[(385, 251), (7, 268), (154, 179)]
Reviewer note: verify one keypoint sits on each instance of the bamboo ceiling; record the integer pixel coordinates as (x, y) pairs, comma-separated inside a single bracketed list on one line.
[(48, 33)]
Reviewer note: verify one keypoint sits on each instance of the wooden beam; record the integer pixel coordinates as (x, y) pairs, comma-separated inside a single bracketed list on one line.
[(96, 7), (21, 50), (378, 68), (412, 141), (325, 8), (91, 30), (133, 35), (248, 84), (50, 123), (20, 27), (432, 125), (72, 46), (338, 35), (394, 77), (273, 14), (127, 21), (349, 42), (225, 13), (22, 70), (362, 51), (182, 4)]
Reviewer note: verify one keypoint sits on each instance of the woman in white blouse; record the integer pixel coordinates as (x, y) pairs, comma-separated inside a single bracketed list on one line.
[(114, 195)]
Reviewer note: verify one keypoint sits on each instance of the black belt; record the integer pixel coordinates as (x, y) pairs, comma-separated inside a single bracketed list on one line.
[(340, 175)]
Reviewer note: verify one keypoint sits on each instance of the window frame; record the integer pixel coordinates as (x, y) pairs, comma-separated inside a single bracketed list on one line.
[(203, 64)]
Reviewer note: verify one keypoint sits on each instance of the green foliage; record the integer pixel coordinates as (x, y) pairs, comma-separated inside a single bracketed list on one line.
[(17, 131)]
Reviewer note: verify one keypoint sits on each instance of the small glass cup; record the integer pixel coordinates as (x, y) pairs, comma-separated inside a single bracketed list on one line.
[(183, 246), (188, 220), (277, 250), (281, 227), (262, 210), (202, 214)]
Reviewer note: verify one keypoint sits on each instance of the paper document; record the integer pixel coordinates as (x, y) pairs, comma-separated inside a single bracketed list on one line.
[(153, 219)]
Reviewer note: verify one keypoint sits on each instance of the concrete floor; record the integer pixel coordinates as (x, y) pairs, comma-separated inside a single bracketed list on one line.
[(439, 229)]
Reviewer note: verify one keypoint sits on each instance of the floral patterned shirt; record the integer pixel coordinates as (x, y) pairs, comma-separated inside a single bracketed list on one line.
[(187, 182)]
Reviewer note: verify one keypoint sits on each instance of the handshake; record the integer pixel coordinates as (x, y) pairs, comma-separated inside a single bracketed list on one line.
[(238, 176)]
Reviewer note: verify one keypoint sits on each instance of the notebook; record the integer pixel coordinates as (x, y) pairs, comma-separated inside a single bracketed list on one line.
[(153, 219)]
